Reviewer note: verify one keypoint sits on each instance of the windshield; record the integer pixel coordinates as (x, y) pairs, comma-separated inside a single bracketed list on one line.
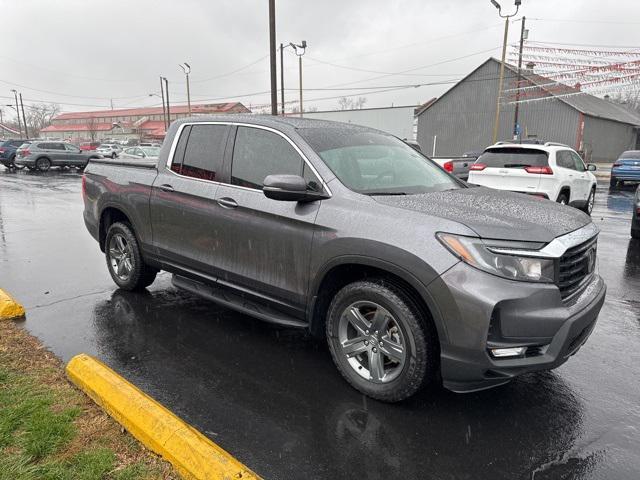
[(151, 151), (513, 158), (376, 164)]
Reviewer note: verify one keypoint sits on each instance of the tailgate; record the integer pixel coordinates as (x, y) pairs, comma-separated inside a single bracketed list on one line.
[(514, 168), (514, 179)]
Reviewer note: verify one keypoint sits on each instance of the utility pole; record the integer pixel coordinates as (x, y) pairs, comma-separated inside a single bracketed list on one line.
[(272, 57), (24, 118), (111, 102), (164, 110), (496, 123), (166, 87), (300, 75), (523, 34), (15, 94), (282, 77)]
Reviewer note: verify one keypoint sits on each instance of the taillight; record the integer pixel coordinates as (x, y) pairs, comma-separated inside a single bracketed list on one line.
[(2, 150), (448, 166), (25, 153), (478, 167), (617, 165), (539, 170)]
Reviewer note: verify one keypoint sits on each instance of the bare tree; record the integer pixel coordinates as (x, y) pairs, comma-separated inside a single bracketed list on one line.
[(346, 103), (40, 115), (92, 128), (629, 98)]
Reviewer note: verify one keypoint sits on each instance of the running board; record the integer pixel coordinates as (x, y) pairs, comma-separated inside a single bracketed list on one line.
[(225, 297)]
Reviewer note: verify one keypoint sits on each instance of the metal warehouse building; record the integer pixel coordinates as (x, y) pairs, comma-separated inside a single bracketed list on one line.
[(461, 120)]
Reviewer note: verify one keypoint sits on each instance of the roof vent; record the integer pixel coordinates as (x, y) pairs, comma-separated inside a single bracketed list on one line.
[(530, 66)]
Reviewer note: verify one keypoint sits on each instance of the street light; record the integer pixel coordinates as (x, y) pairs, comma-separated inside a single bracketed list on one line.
[(186, 68), (17, 109), (517, 3), (164, 113), (296, 48)]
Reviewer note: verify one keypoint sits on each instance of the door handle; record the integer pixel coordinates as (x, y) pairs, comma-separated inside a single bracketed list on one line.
[(166, 188), (226, 202)]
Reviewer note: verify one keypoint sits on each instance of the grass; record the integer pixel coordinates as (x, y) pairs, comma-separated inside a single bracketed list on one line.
[(51, 431)]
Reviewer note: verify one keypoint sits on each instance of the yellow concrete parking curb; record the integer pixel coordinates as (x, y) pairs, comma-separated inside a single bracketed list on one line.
[(192, 454), (9, 308)]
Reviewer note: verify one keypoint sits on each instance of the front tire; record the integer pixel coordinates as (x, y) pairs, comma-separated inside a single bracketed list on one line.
[(124, 260), (588, 208), (380, 341), (43, 164)]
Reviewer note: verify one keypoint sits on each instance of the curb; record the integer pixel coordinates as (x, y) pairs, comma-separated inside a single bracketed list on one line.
[(192, 454), (9, 308)]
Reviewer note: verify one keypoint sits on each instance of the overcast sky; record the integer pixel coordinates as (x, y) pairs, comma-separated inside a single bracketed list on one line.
[(81, 53)]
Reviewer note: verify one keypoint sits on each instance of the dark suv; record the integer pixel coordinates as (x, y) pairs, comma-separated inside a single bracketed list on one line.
[(409, 274), (8, 152)]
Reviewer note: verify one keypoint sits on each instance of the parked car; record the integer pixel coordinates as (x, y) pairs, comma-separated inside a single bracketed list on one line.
[(44, 155), (140, 152), (8, 152), (626, 168), (109, 150), (458, 166), (635, 217), (89, 146), (550, 170), (409, 274)]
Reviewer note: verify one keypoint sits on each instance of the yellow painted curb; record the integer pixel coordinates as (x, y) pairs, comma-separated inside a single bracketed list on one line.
[(9, 308), (192, 454)]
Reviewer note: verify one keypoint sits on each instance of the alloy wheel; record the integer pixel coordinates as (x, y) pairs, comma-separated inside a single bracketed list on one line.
[(372, 341), (120, 256)]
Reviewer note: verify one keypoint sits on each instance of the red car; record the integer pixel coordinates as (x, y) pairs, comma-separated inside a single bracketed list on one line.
[(88, 146)]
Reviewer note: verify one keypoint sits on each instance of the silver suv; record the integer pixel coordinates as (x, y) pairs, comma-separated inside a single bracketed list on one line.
[(44, 155)]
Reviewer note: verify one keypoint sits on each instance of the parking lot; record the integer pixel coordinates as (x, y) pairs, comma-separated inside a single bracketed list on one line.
[(272, 396)]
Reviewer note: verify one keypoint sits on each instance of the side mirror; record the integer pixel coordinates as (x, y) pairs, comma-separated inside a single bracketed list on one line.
[(591, 167), (291, 188)]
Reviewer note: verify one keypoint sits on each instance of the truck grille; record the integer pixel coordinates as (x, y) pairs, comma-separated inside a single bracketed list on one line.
[(576, 266)]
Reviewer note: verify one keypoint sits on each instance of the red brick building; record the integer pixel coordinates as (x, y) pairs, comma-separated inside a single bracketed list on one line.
[(127, 123)]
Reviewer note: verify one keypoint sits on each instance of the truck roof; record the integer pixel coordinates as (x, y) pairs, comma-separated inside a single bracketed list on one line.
[(274, 121)]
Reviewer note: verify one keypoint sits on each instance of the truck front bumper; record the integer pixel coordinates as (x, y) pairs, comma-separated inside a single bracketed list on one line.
[(482, 312)]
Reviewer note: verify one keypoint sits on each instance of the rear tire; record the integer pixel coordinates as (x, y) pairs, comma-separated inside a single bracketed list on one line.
[(43, 164), (613, 183), (563, 198), (124, 260), (381, 341)]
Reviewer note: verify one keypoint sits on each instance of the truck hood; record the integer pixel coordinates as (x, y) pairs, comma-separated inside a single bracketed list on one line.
[(496, 214)]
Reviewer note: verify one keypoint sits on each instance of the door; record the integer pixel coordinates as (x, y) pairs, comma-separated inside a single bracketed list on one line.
[(265, 244), (74, 155), (184, 212), (583, 179)]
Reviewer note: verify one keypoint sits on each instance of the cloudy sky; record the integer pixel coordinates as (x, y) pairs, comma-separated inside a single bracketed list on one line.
[(82, 53)]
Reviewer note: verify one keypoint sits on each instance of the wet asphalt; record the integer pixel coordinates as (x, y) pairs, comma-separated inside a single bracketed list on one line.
[(272, 396)]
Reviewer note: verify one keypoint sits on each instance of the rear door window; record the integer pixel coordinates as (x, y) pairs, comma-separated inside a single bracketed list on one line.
[(258, 153), (565, 160), (204, 151), (577, 161), (514, 158), (178, 154)]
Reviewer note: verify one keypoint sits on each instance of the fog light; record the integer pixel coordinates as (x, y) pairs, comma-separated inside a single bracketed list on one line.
[(508, 352)]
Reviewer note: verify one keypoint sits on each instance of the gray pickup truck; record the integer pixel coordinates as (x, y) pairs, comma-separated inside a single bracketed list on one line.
[(411, 276)]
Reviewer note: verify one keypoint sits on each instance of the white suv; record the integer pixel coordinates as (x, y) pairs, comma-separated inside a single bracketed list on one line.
[(549, 170)]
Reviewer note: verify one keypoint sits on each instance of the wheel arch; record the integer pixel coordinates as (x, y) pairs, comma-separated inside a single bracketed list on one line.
[(348, 269), (108, 216), (565, 189)]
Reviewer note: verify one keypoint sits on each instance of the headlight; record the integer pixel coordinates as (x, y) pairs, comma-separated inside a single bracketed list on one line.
[(481, 255)]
